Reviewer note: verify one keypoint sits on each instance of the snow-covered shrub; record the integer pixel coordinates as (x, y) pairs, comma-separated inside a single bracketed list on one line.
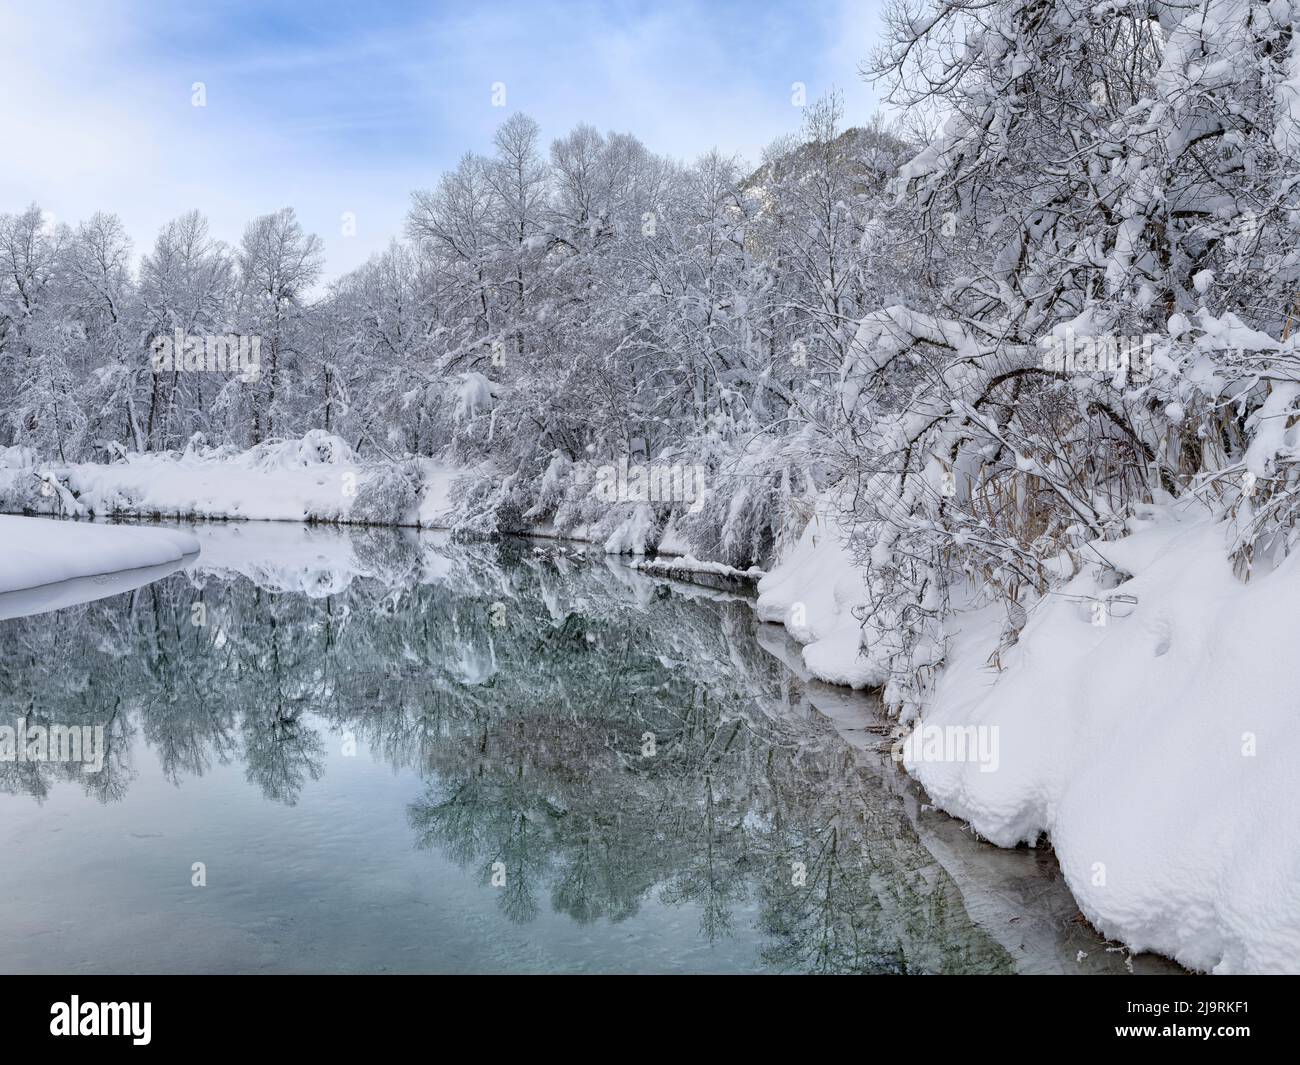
[(386, 495), (314, 448), (754, 509), (489, 505), (635, 533)]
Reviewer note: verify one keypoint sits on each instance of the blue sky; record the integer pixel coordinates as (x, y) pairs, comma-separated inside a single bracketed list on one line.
[(334, 107)]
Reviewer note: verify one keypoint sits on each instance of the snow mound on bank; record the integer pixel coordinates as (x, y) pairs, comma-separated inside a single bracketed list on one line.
[(436, 510), (314, 448), (814, 591), (315, 478), (633, 534), (37, 551), (1159, 750)]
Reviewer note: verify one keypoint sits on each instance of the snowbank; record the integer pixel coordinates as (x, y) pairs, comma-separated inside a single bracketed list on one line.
[(1157, 749), (37, 553), (436, 510), (317, 478), (1156, 743), (814, 592)]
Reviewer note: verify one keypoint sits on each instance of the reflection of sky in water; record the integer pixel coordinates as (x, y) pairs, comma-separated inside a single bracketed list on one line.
[(477, 743)]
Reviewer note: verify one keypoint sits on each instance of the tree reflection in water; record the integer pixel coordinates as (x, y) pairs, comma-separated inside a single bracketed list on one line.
[(530, 736)]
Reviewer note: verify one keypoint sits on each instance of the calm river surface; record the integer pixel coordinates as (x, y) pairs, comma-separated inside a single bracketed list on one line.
[(393, 753)]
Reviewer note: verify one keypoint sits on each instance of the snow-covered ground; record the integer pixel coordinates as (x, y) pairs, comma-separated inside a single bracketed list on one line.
[(814, 592), (46, 564), (316, 478), (38, 551), (1157, 749)]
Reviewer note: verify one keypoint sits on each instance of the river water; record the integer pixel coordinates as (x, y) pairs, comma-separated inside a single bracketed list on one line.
[(375, 750)]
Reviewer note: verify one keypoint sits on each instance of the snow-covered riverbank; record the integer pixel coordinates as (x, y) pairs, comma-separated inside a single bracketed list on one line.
[(317, 478), (47, 564), (1155, 749), (38, 551), (1149, 749)]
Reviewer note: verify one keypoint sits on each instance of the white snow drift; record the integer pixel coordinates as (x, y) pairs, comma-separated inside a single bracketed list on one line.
[(35, 552), (1158, 750), (317, 477)]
